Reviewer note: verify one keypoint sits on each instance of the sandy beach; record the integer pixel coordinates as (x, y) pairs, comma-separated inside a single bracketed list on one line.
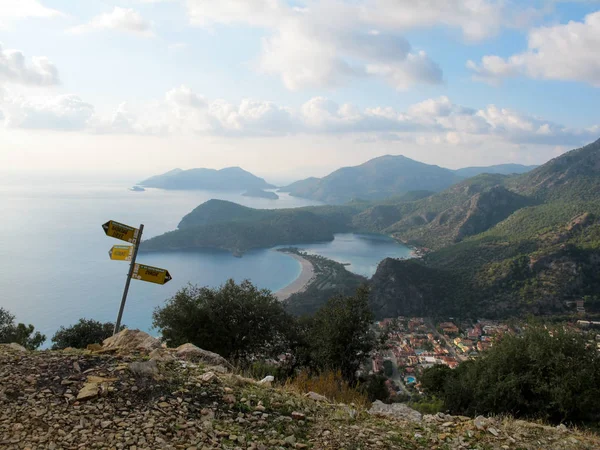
[(300, 283)]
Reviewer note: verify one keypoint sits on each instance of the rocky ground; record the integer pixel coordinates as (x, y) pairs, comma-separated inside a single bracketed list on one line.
[(144, 397)]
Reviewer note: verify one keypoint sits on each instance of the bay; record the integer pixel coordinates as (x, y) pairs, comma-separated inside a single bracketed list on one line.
[(54, 264)]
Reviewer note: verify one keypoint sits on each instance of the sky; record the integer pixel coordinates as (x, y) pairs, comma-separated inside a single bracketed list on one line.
[(293, 88)]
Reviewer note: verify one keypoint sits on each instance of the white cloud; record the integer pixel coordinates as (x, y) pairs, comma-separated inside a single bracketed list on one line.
[(65, 112), (122, 19), (323, 43), (14, 69), (183, 112), (315, 43), (560, 52), (11, 11)]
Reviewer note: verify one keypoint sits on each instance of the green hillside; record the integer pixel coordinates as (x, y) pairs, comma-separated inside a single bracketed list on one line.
[(543, 254), (376, 179)]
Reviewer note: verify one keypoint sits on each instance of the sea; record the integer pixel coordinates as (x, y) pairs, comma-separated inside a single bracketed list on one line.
[(55, 267)]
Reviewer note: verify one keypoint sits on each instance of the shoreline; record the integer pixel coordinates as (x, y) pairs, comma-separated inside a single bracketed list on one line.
[(307, 274)]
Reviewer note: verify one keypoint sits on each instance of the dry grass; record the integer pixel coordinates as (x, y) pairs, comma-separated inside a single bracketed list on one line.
[(330, 384)]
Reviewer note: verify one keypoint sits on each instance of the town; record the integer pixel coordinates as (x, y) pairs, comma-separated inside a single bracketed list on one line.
[(412, 344)]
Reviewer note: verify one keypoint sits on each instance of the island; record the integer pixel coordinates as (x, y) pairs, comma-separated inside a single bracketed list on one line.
[(137, 189), (227, 179), (259, 193)]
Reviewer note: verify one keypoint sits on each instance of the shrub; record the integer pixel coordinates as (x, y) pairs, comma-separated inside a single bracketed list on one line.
[(340, 336), (544, 374), (22, 334), (84, 332), (237, 321)]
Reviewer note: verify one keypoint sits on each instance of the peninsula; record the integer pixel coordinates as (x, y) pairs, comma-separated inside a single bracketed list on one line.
[(259, 193)]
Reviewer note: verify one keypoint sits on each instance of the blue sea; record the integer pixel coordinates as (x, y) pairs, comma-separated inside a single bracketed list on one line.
[(54, 263)]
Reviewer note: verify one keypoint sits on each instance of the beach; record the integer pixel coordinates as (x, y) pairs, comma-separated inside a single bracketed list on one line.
[(299, 284)]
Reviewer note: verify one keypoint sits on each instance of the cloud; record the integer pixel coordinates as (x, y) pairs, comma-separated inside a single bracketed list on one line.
[(23, 9), (65, 112), (566, 52), (14, 69), (184, 112), (321, 43), (122, 19)]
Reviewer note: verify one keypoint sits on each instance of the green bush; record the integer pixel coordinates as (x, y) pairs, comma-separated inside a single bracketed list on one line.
[(339, 335), (84, 332), (544, 374), (237, 321), (22, 334)]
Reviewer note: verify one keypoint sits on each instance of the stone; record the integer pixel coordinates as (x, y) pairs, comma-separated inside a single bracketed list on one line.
[(316, 397), (397, 410), (89, 391), (94, 347), (208, 377), (16, 347), (161, 354), (562, 428), (144, 369), (192, 353), (95, 379), (267, 381), (298, 415), (131, 340), (480, 423), (493, 431)]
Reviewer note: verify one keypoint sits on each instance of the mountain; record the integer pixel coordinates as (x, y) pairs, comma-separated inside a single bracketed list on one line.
[(230, 178), (259, 193), (504, 169), (539, 259), (229, 226), (376, 179)]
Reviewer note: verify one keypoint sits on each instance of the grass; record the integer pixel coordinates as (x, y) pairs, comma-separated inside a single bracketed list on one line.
[(329, 384)]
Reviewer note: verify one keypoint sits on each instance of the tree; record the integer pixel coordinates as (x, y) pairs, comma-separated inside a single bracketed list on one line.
[(22, 334), (340, 335), (549, 374), (84, 332), (235, 320)]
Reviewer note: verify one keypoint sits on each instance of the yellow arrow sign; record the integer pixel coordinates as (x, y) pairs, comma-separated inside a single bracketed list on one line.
[(151, 274), (121, 252), (121, 231)]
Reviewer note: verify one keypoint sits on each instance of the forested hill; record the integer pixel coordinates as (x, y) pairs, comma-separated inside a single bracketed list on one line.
[(387, 176), (229, 226), (230, 178), (539, 259), (376, 179)]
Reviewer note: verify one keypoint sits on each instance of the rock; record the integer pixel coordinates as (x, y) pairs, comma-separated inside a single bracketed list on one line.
[(144, 369), (94, 347), (397, 410), (290, 440), (89, 391), (480, 423), (493, 431), (94, 379), (131, 340), (562, 428), (192, 353), (316, 397), (208, 377), (267, 380), (298, 415), (161, 354), (17, 347)]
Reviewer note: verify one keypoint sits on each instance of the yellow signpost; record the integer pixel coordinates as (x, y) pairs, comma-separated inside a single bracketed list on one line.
[(151, 274), (129, 253), (122, 231), (121, 252)]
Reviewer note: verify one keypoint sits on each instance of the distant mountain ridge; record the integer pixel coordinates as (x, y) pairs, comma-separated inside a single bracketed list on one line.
[(229, 178), (387, 176), (377, 178)]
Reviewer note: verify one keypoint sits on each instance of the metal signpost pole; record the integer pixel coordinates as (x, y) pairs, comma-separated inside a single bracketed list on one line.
[(129, 275)]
